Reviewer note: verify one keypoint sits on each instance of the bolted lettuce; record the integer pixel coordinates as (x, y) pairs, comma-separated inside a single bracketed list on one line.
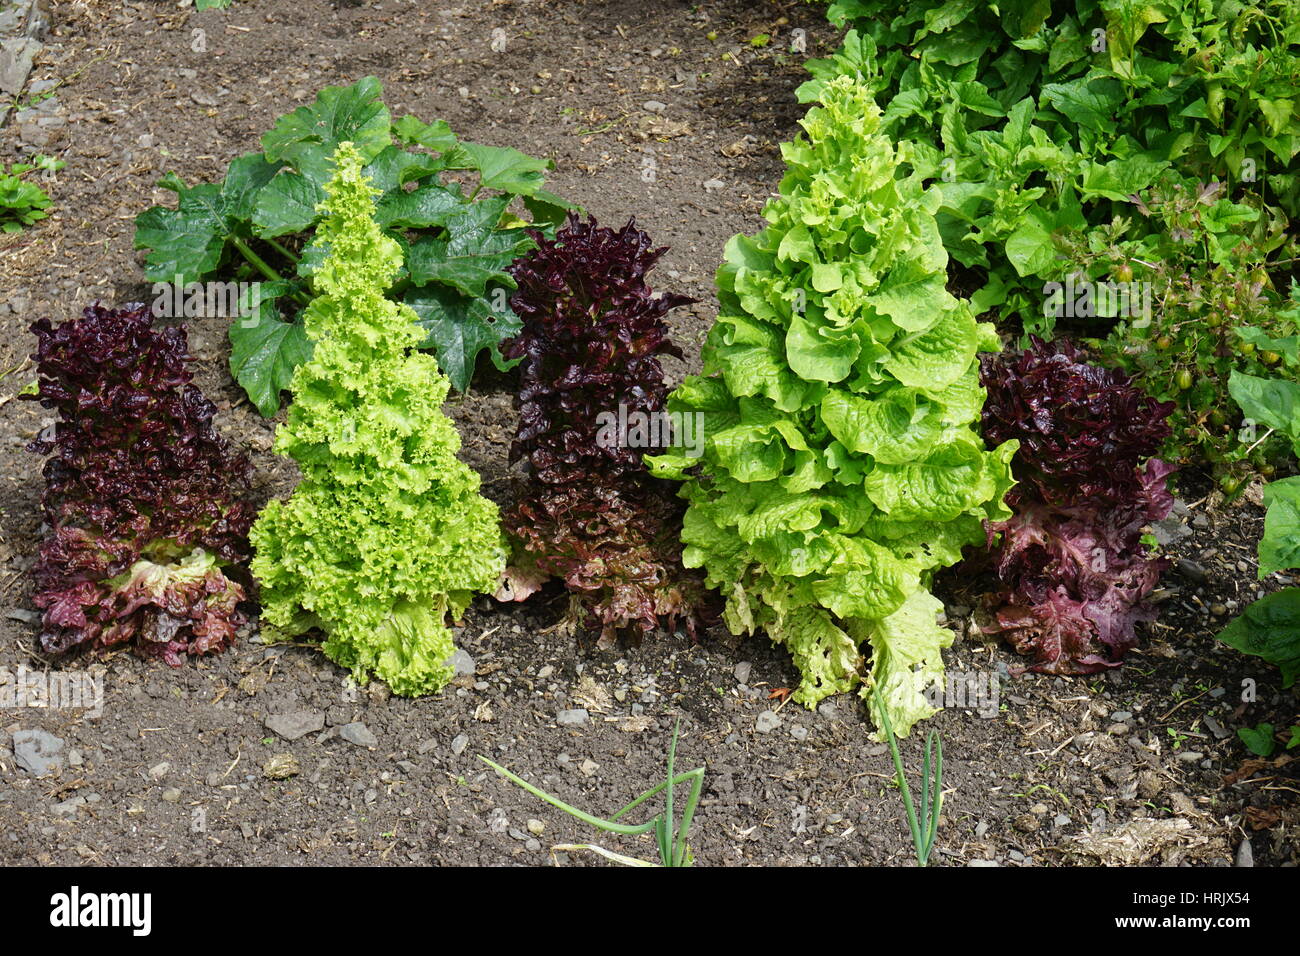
[(386, 535), (841, 467)]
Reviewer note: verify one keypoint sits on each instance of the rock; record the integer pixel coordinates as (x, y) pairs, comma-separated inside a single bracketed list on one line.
[(536, 827), (463, 663), (1190, 756), (654, 106), (742, 672), (38, 752), (297, 724), (69, 807), (1192, 571), (1061, 819), (799, 732), (983, 863), (713, 185), (359, 734), (459, 743), (1170, 531), (171, 795), (1245, 855), (281, 767), (767, 722), (1027, 823), (1216, 728), (24, 615), (546, 671), (159, 770), (572, 718), (203, 99), (16, 57), (1121, 716), (589, 767)]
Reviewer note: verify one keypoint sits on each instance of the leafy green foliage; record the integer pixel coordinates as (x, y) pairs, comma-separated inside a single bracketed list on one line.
[(23, 203), (1270, 628), (1103, 140), (1215, 311), (386, 535), (840, 390), (445, 202)]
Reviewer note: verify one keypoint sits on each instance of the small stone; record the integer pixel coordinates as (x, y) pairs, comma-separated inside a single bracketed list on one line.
[(799, 732), (532, 845), (1245, 855), (1016, 856), (983, 863), (713, 185), (1218, 610), (981, 828), (742, 671), (654, 106), (572, 718), (1061, 819), (69, 807), (589, 767), (297, 724), (463, 663), (171, 795), (1190, 756), (1118, 730), (1216, 728), (459, 743), (536, 827), (545, 672), (767, 722), (1121, 716), (38, 752), (1192, 571), (203, 99), (359, 734), (281, 767)]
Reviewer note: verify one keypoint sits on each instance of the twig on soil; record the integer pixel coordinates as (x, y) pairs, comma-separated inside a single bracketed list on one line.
[(1181, 702)]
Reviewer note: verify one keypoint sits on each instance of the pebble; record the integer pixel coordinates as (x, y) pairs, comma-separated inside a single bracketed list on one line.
[(536, 827), (531, 844), (983, 863), (767, 722), (1121, 716), (1190, 756), (1016, 856), (742, 672), (1245, 855), (572, 718), (463, 663), (589, 767), (297, 724), (1192, 571), (171, 795), (359, 734), (1061, 819), (459, 743), (713, 185), (1216, 728), (799, 732), (38, 752), (158, 771), (545, 672), (654, 106)]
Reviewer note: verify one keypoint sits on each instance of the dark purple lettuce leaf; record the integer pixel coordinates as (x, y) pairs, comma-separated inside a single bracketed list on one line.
[(1075, 573), (143, 502), (590, 514)]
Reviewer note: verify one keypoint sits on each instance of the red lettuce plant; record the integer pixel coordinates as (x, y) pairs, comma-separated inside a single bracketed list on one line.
[(143, 503), (1074, 570), (590, 514)]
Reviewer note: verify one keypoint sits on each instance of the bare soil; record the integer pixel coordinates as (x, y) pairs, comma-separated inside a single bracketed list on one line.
[(1027, 785)]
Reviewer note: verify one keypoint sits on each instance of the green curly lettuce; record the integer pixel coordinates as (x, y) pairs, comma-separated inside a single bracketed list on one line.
[(386, 535), (841, 467)]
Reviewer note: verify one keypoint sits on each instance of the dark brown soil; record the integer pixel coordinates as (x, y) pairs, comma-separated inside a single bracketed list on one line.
[(1052, 763)]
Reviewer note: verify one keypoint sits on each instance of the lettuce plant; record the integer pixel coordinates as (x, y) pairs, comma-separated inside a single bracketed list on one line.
[(1074, 569), (590, 513), (386, 536), (840, 467), (445, 202), (144, 504)]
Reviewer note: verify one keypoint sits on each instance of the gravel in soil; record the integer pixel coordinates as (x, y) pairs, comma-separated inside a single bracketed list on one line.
[(268, 755)]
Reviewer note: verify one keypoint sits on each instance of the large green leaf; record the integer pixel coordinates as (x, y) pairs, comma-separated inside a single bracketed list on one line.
[(355, 114), (1279, 548), (460, 327), (474, 253), (265, 351), (1270, 629), (1272, 402), (186, 243)]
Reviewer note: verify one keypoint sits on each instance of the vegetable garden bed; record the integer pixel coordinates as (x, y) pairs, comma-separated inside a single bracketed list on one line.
[(673, 113)]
